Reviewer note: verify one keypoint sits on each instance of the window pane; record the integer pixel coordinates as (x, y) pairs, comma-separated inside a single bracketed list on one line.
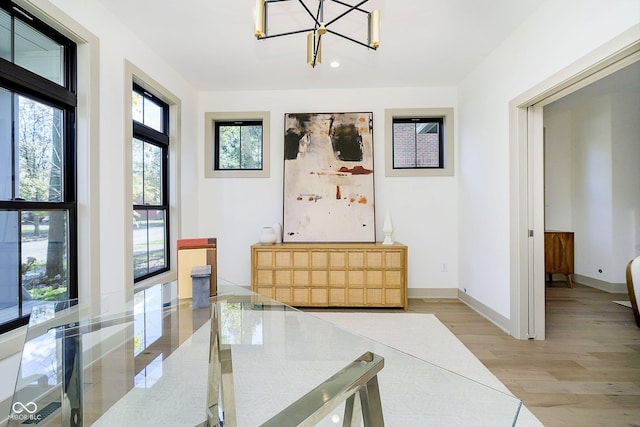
[(251, 147), (45, 255), (140, 247), (38, 53), (157, 246), (229, 147), (427, 145), (404, 145), (138, 171), (6, 156), (153, 115), (152, 174), (40, 141), (9, 265), (136, 107), (149, 249), (5, 35), (416, 144)]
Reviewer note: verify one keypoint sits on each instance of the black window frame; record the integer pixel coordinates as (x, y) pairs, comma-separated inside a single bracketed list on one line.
[(441, 141), (22, 82), (159, 139), (216, 143)]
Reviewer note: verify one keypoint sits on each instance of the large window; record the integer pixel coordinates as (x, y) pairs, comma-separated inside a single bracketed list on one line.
[(150, 150), (37, 166)]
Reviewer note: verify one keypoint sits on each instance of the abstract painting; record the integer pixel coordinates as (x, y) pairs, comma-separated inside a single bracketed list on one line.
[(328, 177)]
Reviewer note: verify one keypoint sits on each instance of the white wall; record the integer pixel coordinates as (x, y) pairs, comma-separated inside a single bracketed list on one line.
[(557, 35), (603, 165), (117, 44), (423, 210), (557, 170), (625, 110), (593, 192)]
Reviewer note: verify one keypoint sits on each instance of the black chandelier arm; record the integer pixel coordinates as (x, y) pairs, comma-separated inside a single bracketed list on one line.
[(320, 13), (348, 5), (350, 39), (351, 9), (270, 36), (309, 12)]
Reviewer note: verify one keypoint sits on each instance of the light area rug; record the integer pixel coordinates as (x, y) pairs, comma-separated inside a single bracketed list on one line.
[(425, 337)]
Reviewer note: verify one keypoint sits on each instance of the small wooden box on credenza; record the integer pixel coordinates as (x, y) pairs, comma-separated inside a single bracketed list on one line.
[(331, 274)]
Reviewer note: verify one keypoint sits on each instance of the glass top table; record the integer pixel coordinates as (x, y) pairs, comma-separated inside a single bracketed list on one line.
[(246, 360)]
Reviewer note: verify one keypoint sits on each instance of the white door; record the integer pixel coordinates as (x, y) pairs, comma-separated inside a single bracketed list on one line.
[(535, 224)]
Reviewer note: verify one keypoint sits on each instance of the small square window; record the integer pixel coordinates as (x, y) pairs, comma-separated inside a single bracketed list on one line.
[(237, 145), (419, 142)]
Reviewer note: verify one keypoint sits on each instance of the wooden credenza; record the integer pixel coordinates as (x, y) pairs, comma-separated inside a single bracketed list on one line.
[(558, 254), (331, 274)]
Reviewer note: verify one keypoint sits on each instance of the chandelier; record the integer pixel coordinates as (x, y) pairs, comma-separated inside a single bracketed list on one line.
[(318, 27)]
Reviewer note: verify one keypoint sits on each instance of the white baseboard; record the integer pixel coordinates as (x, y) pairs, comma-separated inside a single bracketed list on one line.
[(613, 288), (488, 313), (433, 293), (454, 293)]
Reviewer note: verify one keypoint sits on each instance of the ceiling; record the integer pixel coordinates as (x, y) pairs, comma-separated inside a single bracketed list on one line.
[(423, 42)]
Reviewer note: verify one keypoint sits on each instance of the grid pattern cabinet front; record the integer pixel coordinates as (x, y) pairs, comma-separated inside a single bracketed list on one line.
[(331, 274)]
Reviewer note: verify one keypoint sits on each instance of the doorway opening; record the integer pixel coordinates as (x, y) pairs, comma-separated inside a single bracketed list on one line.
[(528, 182)]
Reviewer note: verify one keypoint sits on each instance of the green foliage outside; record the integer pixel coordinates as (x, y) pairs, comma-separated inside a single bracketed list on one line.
[(39, 285), (240, 147), (40, 152), (40, 143), (147, 173)]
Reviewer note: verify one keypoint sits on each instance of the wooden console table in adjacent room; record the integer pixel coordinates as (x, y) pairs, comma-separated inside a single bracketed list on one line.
[(331, 274), (558, 254)]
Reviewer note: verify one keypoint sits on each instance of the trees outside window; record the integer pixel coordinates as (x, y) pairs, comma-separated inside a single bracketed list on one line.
[(37, 166), (238, 145), (150, 150)]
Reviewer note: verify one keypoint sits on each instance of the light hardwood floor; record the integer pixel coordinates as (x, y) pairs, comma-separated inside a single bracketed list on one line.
[(586, 372)]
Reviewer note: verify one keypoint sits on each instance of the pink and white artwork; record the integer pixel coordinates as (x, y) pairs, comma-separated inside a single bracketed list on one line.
[(328, 177)]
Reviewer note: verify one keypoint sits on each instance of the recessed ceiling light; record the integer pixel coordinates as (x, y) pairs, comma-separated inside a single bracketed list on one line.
[(334, 64)]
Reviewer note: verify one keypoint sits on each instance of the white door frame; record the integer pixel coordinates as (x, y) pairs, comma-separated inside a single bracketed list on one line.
[(527, 278)]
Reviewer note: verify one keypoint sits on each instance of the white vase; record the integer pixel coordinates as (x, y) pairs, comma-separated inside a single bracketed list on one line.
[(267, 236), (277, 228), (387, 229)]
